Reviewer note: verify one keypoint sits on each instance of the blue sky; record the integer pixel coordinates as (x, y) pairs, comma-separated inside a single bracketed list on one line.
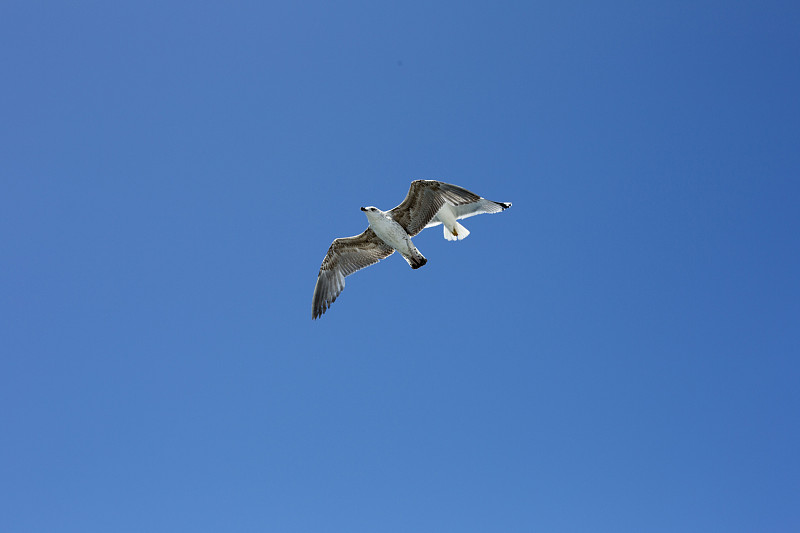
[(617, 352)]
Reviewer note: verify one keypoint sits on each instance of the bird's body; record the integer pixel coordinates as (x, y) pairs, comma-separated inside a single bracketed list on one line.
[(428, 203), (392, 233), (448, 215)]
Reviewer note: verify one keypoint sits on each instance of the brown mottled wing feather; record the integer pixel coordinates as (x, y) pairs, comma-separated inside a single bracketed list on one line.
[(423, 201), (345, 256)]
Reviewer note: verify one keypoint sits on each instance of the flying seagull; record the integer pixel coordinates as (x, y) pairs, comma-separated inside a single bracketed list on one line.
[(428, 203)]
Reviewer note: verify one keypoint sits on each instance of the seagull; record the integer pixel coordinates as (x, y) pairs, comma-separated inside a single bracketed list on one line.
[(428, 203)]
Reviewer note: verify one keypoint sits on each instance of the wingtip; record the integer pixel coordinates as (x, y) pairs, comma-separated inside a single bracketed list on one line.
[(318, 310)]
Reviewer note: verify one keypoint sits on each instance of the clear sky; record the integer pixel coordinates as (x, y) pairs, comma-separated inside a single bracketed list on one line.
[(617, 352)]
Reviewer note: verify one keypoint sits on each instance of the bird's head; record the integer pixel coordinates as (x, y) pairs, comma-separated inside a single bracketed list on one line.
[(371, 212)]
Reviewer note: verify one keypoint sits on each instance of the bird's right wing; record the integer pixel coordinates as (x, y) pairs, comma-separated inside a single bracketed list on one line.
[(345, 256)]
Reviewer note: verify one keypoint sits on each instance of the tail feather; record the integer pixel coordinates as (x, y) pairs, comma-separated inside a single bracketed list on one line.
[(416, 260), (456, 233)]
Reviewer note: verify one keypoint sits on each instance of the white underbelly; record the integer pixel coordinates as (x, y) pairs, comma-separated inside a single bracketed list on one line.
[(393, 234)]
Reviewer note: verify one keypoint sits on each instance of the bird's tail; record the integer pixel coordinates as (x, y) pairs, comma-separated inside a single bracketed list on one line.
[(456, 233), (415, 260)]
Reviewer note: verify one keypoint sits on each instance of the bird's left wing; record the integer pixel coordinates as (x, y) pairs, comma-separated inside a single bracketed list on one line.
[(423, 201), (345, 256)]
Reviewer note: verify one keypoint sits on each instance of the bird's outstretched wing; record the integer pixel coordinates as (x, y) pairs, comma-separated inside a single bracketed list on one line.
[(345, 256), (480, 207), (424, 199)]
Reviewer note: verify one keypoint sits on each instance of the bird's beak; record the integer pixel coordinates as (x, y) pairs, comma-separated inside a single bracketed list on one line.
[(363, 208)]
